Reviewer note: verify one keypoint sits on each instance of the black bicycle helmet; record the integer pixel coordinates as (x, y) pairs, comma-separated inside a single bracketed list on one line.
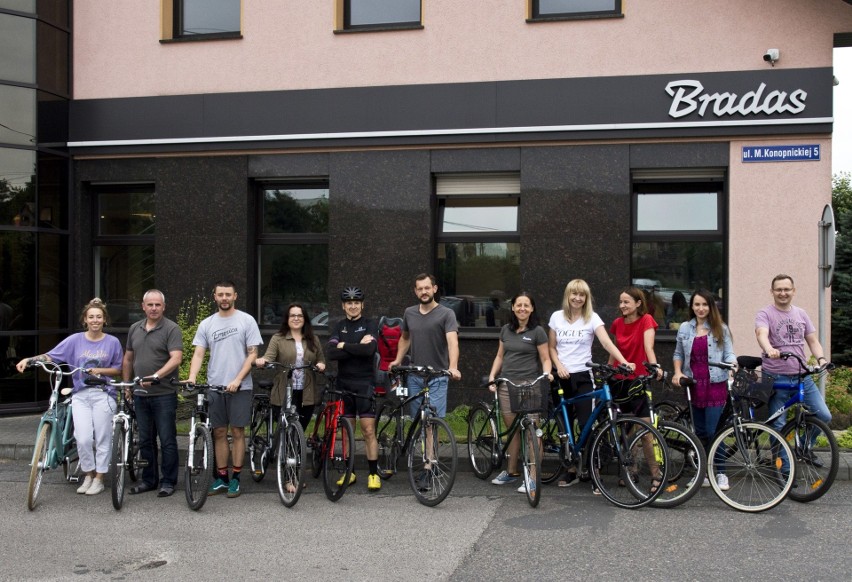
[(352, 294)]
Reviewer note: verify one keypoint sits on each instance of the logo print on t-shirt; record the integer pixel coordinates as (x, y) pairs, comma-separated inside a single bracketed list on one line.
[(790, 333)]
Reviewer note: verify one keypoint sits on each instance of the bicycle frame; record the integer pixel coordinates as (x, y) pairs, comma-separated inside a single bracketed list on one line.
[(58, 416), (515, 425)]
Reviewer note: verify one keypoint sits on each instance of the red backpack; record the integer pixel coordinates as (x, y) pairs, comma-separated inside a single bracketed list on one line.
[(390, 330)]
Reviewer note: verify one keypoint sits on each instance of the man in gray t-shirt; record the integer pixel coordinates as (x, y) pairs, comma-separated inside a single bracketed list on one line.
[(232, 336), (430, 331)]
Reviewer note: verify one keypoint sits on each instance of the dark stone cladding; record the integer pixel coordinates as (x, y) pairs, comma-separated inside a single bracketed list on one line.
[(574, 222)]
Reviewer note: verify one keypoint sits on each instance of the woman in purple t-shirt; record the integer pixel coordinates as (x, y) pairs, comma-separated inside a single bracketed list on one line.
[(93, 409)]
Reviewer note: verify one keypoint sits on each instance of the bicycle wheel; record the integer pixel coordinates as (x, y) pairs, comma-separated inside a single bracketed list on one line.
[(432, 461), (482, 438), (553, 460), (817, 457), (749, 457), (117, 464), (630, 472), (390, 424), (39, 464), (317, 444), (337, 466), (290, 463), (199, 467), (687, 465), (530, 445), (259, 443)]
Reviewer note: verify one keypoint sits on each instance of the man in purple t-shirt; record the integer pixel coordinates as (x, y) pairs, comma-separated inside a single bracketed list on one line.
[(783, 327)]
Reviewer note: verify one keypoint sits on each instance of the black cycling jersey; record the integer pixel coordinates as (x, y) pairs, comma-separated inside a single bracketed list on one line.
[(356, 360)]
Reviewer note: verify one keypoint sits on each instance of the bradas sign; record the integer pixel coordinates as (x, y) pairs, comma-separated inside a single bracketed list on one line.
[(690, 96)]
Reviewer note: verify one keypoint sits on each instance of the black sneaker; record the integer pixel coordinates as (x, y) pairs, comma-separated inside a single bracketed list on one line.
[(812, 459), (424, 480)]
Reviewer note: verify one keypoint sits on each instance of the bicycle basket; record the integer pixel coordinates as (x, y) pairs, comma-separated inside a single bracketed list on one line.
[(523, 399), (752, 385)]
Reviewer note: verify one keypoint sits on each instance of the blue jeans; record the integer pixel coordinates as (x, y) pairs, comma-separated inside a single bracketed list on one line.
[(437, 393), (706, 421), (156, 414)]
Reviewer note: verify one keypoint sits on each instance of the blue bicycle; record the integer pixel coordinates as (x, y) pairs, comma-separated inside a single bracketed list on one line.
[(55, 442), (625, 456), (812, 441)]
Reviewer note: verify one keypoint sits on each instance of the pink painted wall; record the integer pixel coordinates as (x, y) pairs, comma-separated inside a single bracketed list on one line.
[(289, 44), (773, 214)]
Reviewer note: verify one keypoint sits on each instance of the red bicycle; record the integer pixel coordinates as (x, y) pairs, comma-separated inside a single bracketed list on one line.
[(332, 443)]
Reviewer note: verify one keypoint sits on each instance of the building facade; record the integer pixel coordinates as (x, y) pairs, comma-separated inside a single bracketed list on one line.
[(299, 147)]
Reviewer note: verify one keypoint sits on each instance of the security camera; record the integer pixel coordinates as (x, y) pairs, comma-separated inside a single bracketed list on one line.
[(771, 56)]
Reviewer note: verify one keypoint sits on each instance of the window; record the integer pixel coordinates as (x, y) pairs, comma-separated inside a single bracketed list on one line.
[(478, 246), (566, 9), (201, 19), (678, 243), (292, 251), (124, 248), (377, 14)]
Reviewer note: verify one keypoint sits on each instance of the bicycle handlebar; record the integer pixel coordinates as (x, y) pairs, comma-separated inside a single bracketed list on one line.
[(424, 371), (803, 366), (529, 384), (192, 387), (608, 370)]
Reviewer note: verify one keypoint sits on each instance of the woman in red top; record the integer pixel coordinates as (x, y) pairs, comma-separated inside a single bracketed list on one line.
[(634, 334)]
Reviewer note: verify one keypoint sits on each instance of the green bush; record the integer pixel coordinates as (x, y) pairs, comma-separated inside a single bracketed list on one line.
[(192, 312), (838, 397)]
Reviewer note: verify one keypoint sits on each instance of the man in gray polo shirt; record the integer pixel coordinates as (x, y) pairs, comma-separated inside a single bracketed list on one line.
[(155, 348)]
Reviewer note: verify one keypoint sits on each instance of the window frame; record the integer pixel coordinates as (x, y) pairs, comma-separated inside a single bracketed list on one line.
[(171, 24), (265, 239), (534, 13), (100, 241), (342, 20), (689, 182), (495, 191)]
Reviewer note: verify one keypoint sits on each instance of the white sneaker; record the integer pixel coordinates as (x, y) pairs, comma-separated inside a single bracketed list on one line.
[(523, 487), (722, 481), (87, 482), (706, 482), (503, 479), (96, 487)]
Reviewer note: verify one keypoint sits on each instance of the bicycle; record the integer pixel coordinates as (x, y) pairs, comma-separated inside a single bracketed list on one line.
[(55, 443), (485, 438), (813, 442), (625, 456), (747, 452), (200, 455), (687, 459), (332, 443), (282, 439), (126, 454), (425, 439)]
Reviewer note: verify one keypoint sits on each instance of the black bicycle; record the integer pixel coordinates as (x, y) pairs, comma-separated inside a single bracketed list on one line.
[(427, 440)]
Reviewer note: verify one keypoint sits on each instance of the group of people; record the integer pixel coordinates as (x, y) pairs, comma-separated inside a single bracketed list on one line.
[(429, 338), (702, 338)]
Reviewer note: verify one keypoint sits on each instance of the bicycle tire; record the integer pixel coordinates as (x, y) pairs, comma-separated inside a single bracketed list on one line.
[(482, 445), (39, 464), (290, 463), (812, 480), (340, 460), (434, 445), (620, 466), (317, 444), (69, 455), (134, 455), (553, 451), (390, 424), (530, 446), (755, 480), (200, 458), (259, 443), (687, 464), (117, 471)]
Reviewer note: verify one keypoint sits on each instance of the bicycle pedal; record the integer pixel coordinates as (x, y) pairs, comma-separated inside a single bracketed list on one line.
[(258, 473), (141, 463), (74, 479)]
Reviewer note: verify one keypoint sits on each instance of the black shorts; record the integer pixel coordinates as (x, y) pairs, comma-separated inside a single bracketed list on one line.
[(360, 403), (637, 405)]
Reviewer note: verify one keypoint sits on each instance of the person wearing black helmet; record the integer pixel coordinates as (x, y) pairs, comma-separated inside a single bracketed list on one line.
[(352, 343)]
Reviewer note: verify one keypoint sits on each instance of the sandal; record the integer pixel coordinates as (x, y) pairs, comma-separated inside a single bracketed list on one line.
[(655, 485)]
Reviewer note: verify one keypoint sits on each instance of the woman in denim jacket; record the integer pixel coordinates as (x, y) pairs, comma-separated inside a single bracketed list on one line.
[(704, 338)]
